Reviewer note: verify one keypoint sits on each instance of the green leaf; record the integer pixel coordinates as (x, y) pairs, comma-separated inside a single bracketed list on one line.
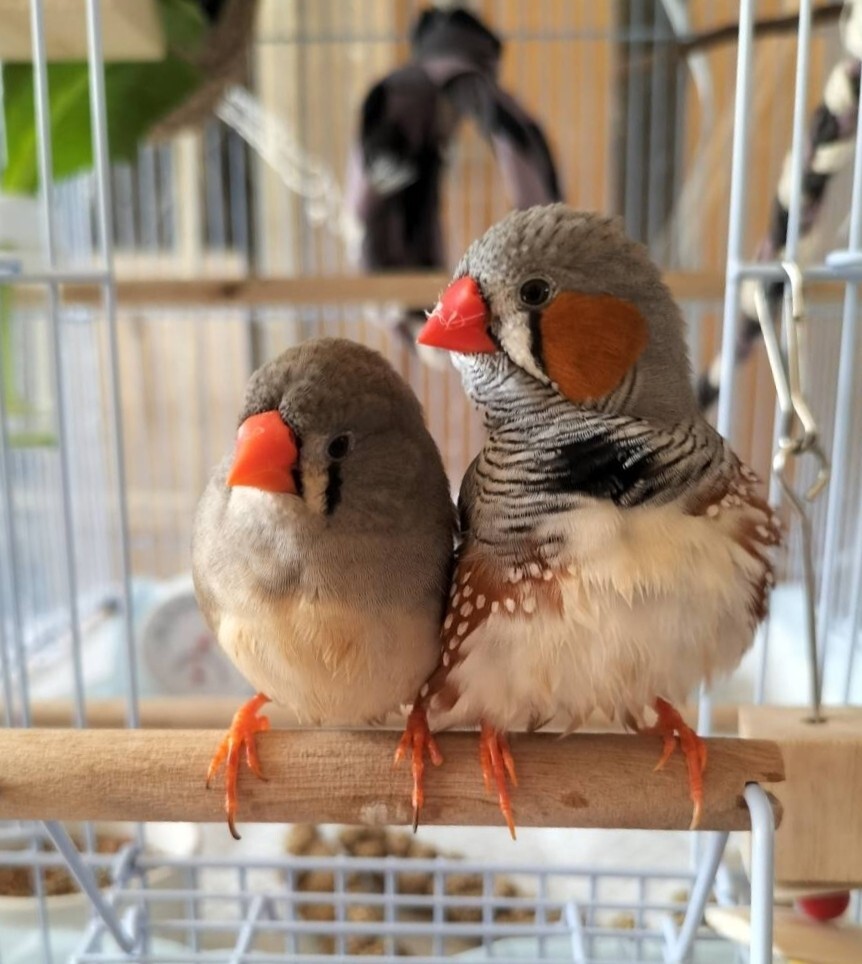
[(137, 96)]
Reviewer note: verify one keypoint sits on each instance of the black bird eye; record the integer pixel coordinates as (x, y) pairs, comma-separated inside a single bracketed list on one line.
[(339, 446), (534, 293)]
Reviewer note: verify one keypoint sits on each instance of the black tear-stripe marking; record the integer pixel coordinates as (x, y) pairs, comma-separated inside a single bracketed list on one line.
[(297, 481), (535, 318), (332, 496)]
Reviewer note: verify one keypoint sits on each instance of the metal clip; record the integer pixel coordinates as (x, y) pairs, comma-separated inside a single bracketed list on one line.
[(809, 441), (798, 434)]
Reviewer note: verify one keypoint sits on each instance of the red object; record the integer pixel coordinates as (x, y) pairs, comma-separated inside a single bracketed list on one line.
[(670, 726), (417, 740), (240, 738), (459, 321), (824, 906), (498, 765), (266, 454)]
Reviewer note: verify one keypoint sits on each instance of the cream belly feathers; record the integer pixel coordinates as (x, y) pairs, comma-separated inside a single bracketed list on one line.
[(329, 663), (637, 605)]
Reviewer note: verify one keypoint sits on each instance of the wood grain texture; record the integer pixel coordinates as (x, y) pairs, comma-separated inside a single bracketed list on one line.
[(330, 776), (414, 290), (411, 289), (794, 936), (130, 31), (820, 842)]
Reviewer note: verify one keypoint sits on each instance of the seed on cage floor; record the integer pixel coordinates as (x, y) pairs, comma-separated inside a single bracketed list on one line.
[(316, 911), (464, 885), (364, 913), (415, 883), (365, 944), (305, 840), (364, 841), (398, 843), (373, 947), (365, 882), (301, 838), (507, 889), (316, 882)]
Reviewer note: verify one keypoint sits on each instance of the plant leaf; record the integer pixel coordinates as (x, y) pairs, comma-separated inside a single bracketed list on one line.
[(137, 96)]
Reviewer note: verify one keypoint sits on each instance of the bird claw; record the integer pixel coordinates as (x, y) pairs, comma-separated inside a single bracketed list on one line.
[(498, 763), (416, 740), (670, 726), (244, 727)]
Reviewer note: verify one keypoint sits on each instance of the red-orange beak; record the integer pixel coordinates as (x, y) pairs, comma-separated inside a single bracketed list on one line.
[(266, 454), (459, 321)]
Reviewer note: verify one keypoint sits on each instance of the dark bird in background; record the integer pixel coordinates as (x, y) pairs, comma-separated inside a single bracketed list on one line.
[(408, 121)]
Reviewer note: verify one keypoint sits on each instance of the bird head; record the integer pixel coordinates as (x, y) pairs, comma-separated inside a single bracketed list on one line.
[(564, 299), (330, 429)]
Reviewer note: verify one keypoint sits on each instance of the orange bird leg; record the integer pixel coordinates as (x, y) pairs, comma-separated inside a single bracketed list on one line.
[(245, 726), (669, 726), (417, 739), (497, 763)]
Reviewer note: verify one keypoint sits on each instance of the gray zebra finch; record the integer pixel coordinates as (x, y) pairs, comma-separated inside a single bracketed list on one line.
[(322, 548), (614, 552)]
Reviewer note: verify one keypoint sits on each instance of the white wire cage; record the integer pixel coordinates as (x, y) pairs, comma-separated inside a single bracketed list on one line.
[(113, 413)]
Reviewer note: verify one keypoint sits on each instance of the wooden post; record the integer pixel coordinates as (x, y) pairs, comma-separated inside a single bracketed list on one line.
[(820, 845)]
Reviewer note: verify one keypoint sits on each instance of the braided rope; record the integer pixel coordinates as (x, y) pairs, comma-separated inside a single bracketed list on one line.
[(831, 138), (223, 60)]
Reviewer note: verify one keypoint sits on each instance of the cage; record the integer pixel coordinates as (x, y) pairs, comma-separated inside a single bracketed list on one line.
[(141, 285)]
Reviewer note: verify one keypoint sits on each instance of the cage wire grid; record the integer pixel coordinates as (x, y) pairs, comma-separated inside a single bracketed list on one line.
[(68, 564)]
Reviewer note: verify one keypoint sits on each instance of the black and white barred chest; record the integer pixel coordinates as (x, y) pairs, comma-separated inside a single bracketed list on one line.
[(537, 467)]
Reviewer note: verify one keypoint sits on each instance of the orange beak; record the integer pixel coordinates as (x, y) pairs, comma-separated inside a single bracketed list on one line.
[(266, 454), (459, 321)]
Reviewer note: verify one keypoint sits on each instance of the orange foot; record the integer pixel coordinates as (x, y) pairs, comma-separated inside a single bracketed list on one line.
[(668, 726), (417, 739), (243, 729), (497, 762)]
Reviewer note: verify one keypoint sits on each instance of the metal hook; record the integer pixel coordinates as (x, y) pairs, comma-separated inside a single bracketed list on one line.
[(796, 332), (793, 405)]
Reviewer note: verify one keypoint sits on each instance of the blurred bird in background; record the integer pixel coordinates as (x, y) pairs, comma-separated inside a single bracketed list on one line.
[(407, 124)]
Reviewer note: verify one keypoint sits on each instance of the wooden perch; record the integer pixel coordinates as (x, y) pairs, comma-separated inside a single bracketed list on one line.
[(414, 290), (331, 776)]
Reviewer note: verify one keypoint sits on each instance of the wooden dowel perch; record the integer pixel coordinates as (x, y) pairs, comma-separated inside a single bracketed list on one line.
[(414, 290), (330, 776)]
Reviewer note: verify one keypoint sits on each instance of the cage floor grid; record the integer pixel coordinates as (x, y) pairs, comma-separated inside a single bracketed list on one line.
[(318, 908)]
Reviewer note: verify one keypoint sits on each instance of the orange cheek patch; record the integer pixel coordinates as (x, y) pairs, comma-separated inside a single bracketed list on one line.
[(589, 342)]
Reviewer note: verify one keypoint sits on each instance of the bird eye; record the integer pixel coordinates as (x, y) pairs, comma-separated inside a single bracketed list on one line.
[(534, 293), (339, 446)]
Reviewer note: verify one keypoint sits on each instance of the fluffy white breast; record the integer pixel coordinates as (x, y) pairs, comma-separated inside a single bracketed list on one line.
[(651, 602)]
